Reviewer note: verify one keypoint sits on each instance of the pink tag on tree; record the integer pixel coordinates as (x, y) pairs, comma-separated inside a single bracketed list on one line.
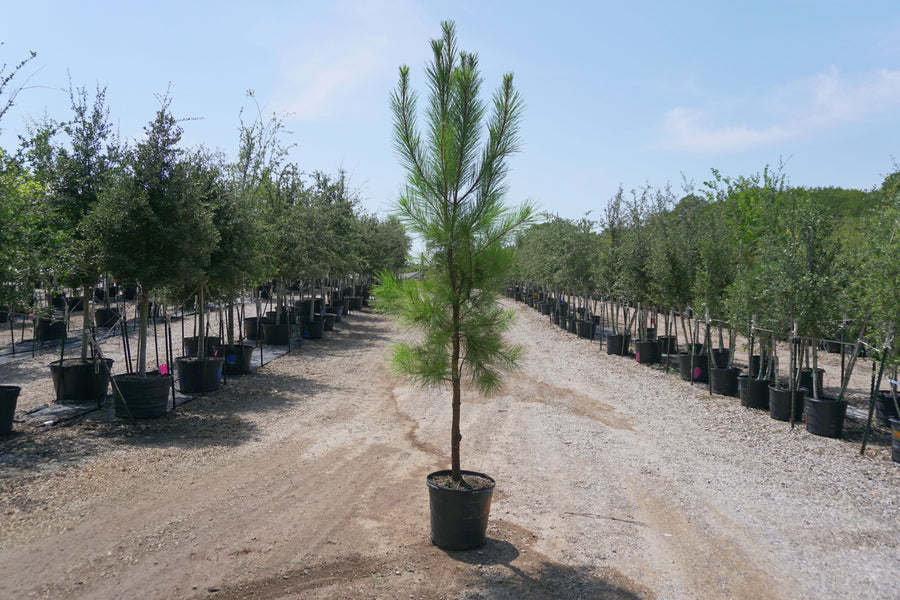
[(163, 369)]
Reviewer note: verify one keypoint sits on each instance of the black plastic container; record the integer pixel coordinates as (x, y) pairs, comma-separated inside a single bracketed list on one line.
[(459, 518), (9, 395), (80, 381)]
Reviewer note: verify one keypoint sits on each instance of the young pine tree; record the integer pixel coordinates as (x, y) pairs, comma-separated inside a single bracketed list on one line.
[(456, 167)]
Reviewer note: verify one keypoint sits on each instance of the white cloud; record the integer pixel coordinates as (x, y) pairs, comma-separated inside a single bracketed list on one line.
[(332, 58), (795, 111)]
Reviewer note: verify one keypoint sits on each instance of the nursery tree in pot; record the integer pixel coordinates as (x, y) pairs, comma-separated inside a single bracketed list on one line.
[(77, 176), (154, 229), (454, 200)]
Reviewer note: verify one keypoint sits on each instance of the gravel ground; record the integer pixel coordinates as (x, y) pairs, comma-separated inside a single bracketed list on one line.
[(306, 479)]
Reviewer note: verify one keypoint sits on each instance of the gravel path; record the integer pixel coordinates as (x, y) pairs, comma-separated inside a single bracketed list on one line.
[(306, 479)]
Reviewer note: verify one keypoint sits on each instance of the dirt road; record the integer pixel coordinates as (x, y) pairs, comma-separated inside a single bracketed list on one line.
[(306, 480)]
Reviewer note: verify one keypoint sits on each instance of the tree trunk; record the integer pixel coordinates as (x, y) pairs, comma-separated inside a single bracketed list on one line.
[(455, 435), (144, 311), (86, 321)]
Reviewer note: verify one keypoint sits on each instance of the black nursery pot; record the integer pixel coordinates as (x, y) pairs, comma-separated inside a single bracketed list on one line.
[(724, 381), (758, 394), (721, 357), (48, 329), (646, 352), (895, 440), (693, 367), (780, 403), (585, 329), (105, 317), (617, 343), (191, 343), (314, 329), (884, 407), (276, 335), (142, 398), (251, 328), (459, 518), (80, 381), (825, 417), (237, 358), (9, 395), (197, 376)]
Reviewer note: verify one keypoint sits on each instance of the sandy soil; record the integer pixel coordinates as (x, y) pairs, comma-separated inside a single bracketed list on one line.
[(306, 478)]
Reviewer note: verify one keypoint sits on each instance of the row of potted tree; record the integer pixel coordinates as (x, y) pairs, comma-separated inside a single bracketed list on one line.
[(749, 256), (180, 226)]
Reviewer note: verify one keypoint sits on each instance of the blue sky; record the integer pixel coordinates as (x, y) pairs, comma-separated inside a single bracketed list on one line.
[(617, 93)]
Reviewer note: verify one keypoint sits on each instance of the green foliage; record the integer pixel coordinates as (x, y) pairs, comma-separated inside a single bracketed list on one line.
[(19, 264), (454, 202)]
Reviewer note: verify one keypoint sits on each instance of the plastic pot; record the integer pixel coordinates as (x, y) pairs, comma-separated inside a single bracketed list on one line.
[(825, 417), (895, 440), (329, 321), (48, 329), (276, 335), (780, 403), (693, 367), (758, 393), (238, 358), (314, 329), (459, 518), (885, 410), (190, 345), (9, 395), (251, 328), (721, 358), (142, 398), (724, 381), (585, 329), (80, 381), (646, 352), (105, 317), (617, 343), (196, 376)]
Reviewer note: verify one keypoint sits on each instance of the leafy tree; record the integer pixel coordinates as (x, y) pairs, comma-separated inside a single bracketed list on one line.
[(455, 180), (154, 225)]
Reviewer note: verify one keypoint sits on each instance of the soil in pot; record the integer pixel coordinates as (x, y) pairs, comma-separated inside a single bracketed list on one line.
[(693, 367), (825, 417), (618, 343), (780, 403), (724, 381), (9, 395), (238, 358), (190, 345), (80, 381), (646, 352), (144, 398), (459, 517), (197, 376)]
